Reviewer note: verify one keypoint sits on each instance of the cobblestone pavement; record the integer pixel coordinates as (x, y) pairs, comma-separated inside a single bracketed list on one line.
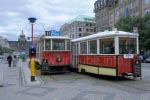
[(74, 86)]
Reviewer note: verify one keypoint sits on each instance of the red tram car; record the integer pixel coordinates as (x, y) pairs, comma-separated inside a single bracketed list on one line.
[(112, 53), (53, 53)]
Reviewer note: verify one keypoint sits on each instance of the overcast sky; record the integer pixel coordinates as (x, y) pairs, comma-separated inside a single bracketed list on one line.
[(50, 14)]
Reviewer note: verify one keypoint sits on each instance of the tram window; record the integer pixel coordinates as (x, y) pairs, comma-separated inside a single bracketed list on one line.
[(47, 44), (42, 45), (58, 44), (127, 45), (92, 47), (68, 44), (37, 47), (107, 46), (83, 48)]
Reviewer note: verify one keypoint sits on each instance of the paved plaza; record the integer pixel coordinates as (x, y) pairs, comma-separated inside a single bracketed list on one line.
[(72, 86)]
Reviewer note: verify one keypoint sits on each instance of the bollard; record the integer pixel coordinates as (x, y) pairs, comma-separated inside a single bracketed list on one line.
[(32, 68)]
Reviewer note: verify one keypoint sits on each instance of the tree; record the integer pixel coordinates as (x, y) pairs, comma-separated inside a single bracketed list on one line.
[(85, 34), (145, 33), (1, 49), (143, 24), (5, 50)]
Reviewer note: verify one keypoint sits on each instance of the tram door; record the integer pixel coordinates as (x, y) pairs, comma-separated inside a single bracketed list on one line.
[(75, 60)]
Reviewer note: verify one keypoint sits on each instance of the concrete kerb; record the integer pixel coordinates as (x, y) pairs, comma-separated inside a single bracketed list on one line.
[(26, 78)]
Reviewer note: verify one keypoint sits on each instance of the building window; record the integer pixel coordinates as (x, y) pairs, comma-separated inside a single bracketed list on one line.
[(117, 13), (80, 34), (87, 24), (91, 30), (111, 16), (87, 30), (80, 29)]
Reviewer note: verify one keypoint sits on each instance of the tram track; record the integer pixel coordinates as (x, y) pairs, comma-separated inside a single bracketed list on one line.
[(124, 84), (62, 78), (129, 85)]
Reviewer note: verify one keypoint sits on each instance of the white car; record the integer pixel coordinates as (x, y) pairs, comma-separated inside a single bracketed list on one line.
[(147, 60)]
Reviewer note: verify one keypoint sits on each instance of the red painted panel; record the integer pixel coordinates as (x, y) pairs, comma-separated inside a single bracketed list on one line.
[(125, 65), (108, 61), (52, 57), (98, 60), (82, 59)]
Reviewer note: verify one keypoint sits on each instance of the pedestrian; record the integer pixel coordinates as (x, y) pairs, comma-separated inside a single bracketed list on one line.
[(141, 58), (15, 61), (9, 59)]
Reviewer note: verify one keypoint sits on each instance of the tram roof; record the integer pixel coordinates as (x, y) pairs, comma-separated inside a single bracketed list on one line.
[(56, 37), (106, 34)]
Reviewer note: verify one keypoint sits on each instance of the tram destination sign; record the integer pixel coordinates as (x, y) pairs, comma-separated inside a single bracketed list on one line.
[(127, 56)]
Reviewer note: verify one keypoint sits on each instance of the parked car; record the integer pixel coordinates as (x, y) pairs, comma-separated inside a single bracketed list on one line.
[(147, 60)]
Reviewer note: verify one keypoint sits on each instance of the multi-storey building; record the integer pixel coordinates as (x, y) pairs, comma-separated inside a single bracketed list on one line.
[(4, 42), (107, 12), (146, 7), (80, 26), (22, 45)]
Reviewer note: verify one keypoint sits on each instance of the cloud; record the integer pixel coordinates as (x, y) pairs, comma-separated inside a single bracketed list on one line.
[(50, 14)]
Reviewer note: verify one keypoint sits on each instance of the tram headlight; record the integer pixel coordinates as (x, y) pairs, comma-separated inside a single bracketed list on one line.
[(58, 58)]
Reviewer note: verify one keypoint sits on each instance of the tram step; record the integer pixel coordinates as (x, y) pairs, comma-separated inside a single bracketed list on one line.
[(128, 74)]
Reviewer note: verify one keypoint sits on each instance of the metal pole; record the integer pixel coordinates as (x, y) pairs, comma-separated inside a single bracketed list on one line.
[(32, 35)]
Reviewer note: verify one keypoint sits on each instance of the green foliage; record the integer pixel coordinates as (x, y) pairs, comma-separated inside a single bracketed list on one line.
[(143, 24), (1, 50), (37, 66), (5, 50), (85, 34)]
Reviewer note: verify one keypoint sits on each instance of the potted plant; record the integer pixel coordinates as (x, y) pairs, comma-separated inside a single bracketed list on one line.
[(37, 69)]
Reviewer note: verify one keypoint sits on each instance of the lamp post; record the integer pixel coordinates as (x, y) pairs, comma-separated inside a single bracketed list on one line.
[(32, 51), (32, 21)]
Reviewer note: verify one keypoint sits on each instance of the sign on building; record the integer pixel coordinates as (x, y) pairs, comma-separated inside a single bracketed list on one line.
[(52, 33)]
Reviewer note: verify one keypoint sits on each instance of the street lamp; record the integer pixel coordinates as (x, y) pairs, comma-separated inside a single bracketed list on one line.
[(32, 21), (32, 51)]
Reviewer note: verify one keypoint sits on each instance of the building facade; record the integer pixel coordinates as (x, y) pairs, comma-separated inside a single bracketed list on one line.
[(4, 42), (146, 7), (22, 45), (107, 12), (80, 26)]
